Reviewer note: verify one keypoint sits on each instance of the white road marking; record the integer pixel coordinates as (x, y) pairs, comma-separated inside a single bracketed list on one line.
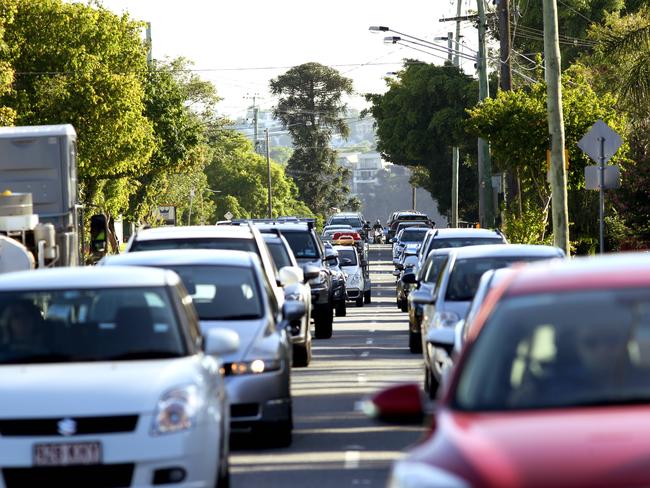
[(365, 354), (361, 378), (352, 459), (369, 341)]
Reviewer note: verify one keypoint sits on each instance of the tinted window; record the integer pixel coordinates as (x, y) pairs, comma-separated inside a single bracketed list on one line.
[(88, 325), (561, 350), (279, 254), (465, 276), (413, 235), (198, 243), (351, 221), (463, 241), (348, 254), (302, 244), (222, 292)]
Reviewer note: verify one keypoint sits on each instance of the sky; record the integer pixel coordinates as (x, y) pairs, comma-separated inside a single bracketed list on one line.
[(240, 45)]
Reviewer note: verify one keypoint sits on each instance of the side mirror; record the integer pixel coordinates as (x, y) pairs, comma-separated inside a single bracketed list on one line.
[(409, 278), (402, 404), (422, 297), (219, 342), (293, 310), (290, 275), (310, 272), (399, 266), (392, 240), (443, 338), (396, 273)]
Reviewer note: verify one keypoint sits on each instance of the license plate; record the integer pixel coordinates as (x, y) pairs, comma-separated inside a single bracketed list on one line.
[(66, 454)]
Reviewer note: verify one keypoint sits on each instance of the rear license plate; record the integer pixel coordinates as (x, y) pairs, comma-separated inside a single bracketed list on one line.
[(66, 454)]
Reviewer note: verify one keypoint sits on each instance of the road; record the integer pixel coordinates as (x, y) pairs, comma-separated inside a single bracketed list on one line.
[(334, 445)]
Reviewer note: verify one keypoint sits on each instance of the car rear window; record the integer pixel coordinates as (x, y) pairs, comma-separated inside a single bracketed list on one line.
[(234, 244), (105, 324), (413, 235), (560, 350), (351, 221), (222, 292)]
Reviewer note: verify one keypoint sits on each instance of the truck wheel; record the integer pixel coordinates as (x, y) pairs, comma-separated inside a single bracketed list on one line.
[(323, 322), (367, 296), (341, 309), (415, 342), (359, 301), (302, 355)]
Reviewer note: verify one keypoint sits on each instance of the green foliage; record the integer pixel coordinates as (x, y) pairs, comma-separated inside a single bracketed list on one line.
[(241, 176), (529, 228), (281, 154), (7, 12), (419, 119), (310, 107), (515, 123), (84, 65)]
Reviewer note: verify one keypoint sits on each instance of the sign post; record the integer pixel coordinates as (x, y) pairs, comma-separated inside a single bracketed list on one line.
[(600, 144)]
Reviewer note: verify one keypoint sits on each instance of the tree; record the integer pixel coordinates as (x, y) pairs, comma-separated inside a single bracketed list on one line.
[(515, 124), (418, 121), (7, 114), (310, 106), (240, 175), (84, 65)]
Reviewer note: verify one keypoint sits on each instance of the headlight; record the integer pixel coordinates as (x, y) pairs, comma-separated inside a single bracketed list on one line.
[(355, 280), (418, 475), (177, 410), (447, 319), (256, 366), (322, 278)]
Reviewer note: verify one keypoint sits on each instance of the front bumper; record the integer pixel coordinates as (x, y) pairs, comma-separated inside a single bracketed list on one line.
[(319, 295), (257, 399), (354, 293), (134, 457)]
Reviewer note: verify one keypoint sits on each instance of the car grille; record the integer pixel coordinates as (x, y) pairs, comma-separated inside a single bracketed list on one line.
[(99, 476), (244, 410), (84, 425)]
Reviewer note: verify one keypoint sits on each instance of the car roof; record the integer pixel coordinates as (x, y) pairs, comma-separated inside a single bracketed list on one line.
[(416, 229), (180, 257), (506, 250), (622, 270), (465, 232), (87, 277), (194, 232), (283, 226)]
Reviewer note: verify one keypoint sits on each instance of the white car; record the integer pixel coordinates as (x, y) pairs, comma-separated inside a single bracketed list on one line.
[(356, 287), (105, 380)]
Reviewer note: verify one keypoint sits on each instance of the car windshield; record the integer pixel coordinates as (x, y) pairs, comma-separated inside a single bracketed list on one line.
[(559, 350), (466, 274), (222, 292), (351, 221), (439, 243), (279, 254), (198, 243), (302, 245), (349, 255), (104, 324), (413, 235)]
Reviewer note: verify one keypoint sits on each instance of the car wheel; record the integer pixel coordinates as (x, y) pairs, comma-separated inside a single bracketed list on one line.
[(404, 306), (323, 322), (367, 298), (359, 301), (415, 342), (430, 383), (302, 355), (223, 479), (341, 309)]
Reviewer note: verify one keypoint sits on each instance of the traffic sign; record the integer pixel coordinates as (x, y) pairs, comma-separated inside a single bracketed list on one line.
[(591, 142), (612, 177), (228, 215)]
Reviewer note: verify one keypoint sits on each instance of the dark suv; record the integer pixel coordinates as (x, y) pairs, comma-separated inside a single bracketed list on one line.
[(308, 249)]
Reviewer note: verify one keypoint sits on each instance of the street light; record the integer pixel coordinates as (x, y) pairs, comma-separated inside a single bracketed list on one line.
[(392, 39), (378, 28)]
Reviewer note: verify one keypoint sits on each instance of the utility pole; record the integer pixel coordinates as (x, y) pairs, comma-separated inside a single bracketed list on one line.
[(455, 153), (255, 126), (268, 170), (413, 197), (149, 46), (555, 127), (485, 195)]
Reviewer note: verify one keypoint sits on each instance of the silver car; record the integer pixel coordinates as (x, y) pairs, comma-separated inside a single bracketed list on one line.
[(230, 291), (456, 288)]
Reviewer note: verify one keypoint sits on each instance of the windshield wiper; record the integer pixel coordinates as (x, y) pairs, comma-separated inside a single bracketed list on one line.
[(611, 401), (144, 354)]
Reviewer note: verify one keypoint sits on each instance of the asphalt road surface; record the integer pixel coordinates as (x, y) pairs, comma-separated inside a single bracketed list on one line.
[(335, 445)]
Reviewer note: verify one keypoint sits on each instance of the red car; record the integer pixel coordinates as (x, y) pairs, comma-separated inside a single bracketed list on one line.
[(552, 388)]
